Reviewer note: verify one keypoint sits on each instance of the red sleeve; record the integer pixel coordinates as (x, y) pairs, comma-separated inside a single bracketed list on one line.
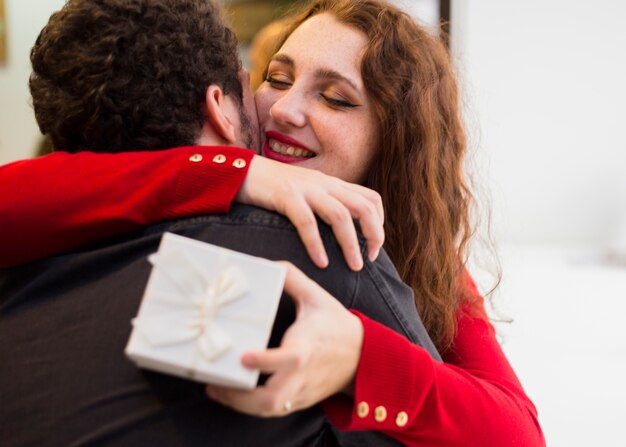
[(473, 399), (62, 201)]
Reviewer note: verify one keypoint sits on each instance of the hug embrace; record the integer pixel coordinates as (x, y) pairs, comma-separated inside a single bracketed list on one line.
[(381, 338)]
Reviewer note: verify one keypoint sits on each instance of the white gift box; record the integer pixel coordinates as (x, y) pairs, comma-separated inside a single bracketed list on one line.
[(203, 307)]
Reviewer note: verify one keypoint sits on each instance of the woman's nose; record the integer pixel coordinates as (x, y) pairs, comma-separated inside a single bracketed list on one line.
[(288, 109)]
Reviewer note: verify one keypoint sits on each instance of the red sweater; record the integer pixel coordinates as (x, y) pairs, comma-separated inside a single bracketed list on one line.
[(61, 201)]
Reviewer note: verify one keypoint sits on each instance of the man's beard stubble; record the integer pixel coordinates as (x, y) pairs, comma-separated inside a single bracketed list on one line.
[(249, 133)]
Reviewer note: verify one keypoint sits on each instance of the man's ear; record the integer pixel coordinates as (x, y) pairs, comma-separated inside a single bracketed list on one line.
[(218, 116)]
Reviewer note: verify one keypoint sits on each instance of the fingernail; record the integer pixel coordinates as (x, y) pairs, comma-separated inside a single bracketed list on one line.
[(357, 262), (322, 260), (247, 360), (374, 255)]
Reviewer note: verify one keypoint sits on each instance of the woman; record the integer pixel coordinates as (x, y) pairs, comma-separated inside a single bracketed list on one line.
[(387, 88), (375, 101)]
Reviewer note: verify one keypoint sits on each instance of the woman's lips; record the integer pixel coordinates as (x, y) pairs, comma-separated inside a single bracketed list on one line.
[(282, 148)]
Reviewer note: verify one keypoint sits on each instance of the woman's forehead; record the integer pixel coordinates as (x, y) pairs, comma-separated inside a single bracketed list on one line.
[(324, 43)]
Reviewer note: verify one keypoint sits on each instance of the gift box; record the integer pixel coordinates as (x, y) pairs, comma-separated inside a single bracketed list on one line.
[(203, 307)]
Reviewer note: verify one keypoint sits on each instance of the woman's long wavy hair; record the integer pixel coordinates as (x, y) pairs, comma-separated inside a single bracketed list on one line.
[(419, 170)]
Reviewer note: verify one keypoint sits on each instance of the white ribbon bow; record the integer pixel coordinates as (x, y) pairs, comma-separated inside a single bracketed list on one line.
[(193, 314)]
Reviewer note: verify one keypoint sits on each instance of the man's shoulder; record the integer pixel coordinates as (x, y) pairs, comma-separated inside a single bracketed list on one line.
[(259, 232), (239, 215)]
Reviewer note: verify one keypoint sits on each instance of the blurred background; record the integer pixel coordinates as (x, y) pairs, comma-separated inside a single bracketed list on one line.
[(544, 91)]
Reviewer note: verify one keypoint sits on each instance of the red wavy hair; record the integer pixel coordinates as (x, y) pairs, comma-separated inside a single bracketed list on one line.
[(419, 170)]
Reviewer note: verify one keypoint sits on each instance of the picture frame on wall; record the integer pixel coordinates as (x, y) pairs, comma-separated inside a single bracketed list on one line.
[(3, 34), (247, 17)]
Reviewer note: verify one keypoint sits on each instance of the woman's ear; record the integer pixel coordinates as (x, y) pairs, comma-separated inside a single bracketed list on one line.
[(219, 113)]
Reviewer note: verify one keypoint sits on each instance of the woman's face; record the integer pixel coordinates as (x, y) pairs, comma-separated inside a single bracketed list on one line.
[(313, 109)]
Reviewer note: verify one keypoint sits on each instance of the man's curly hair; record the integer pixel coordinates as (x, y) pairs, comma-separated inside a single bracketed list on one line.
[(119, 75)]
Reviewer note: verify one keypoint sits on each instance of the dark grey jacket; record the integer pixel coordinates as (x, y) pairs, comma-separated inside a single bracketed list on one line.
[(65, 320)]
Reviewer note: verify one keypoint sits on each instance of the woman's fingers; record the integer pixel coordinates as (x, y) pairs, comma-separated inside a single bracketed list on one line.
[(299, 212), (258, 402), (351, 202), (306, 294), (270, 360), (269, 400), (366, 211), (318, 355), (301, 193), (337, 214), (297, 284), (371, 195)]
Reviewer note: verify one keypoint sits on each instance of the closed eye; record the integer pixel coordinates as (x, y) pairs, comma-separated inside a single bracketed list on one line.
[(340, 103), (278, 83)]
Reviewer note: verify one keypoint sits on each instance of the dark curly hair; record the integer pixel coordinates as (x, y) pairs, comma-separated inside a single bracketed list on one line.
[(119, 75)]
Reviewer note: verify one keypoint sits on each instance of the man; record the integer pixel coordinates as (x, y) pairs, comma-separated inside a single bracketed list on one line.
[(111, 75)]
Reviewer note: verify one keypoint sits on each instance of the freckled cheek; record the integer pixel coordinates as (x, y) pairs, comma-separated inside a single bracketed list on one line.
[(367, 145), (370, 131), (344, 143)]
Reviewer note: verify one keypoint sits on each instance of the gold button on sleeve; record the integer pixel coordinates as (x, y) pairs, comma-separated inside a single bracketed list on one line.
[(219, 159), (196, 158), (239, 163), (362, 409), (380, 413), (401, 419)]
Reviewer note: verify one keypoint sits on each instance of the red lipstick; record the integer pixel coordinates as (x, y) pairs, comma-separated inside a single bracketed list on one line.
[(283, 139)]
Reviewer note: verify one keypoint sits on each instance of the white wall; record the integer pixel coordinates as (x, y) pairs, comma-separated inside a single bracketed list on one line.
[(425, 11), (545, 86), (545, 83), (18, 130)]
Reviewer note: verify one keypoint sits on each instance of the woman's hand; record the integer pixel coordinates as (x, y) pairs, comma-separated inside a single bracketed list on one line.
[(300, 193), (318, 355)]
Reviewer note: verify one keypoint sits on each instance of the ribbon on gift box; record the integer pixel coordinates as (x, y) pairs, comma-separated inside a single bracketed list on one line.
[(193, 315)]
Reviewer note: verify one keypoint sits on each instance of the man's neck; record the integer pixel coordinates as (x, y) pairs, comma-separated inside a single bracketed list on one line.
[(209, 138)]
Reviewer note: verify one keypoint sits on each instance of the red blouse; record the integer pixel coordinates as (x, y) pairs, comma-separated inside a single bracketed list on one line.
[(62, 201)]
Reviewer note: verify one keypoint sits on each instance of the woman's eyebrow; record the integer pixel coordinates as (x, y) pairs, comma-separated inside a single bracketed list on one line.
[(323, 73), (332, 75), (283, 58)]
